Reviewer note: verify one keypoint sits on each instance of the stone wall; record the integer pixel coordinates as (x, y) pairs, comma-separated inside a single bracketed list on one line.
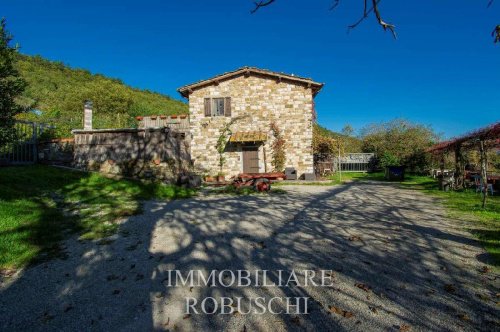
[(157, 154), (263, 100), (57, 151)]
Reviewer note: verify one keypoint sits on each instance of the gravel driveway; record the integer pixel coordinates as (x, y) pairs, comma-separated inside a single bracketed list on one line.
[(397, 262)]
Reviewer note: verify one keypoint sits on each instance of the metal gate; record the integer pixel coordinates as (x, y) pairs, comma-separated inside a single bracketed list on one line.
[(24, 149), (355, 162)]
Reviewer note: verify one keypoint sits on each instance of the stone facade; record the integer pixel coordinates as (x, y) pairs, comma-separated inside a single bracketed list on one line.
[(257, 101)]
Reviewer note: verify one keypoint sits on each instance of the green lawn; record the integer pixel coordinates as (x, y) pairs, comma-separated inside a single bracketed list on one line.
[(39, 205), (338, 178)]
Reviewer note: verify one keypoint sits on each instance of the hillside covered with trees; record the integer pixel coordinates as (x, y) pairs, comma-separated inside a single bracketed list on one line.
[(58, 92)]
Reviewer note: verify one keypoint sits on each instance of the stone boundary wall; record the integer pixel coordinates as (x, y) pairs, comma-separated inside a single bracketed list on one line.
[(154, 153), (58, 151)]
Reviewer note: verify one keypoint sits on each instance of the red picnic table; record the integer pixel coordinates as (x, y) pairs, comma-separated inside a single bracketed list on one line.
[(260, 181)]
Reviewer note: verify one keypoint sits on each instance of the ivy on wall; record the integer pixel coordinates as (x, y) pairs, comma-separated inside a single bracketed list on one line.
[(278, 149)]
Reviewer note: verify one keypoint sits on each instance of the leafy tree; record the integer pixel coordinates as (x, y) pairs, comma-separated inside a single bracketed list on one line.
[(348, 130), (11, 87), (402, 140), (326, 141), (60, 92)]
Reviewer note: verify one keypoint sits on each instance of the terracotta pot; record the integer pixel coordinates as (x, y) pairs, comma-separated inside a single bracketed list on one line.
[(153, 117), (139, 118), (163, 117), (173, 116), (220, 178), (209, 179), (183, 116), (157, 161)]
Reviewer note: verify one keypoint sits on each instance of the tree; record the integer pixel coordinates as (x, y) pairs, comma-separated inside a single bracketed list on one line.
[(348, 130), (401, 140), (11, 87), (369, 7)]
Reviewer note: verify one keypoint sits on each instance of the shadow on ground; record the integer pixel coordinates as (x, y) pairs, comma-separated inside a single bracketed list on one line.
[(397, 262)]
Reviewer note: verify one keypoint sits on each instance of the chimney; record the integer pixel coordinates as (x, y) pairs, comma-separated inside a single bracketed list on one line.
[(87, 115)]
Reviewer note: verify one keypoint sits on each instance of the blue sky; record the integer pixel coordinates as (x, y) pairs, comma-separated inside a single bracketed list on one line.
[(443, 70)]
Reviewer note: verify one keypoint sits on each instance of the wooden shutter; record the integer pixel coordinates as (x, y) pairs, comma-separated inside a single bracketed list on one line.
[(207, 107), (227, 106)]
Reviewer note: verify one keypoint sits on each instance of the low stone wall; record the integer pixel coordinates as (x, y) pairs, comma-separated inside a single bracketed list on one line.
[(57, 151), (155, 153)]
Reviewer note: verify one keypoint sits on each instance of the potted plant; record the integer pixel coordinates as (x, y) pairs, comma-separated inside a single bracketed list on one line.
[(183, 116), (163, 117), (173, 116), (153, 117), (394, 171), (209, 178), (139, 118), (221, 177)]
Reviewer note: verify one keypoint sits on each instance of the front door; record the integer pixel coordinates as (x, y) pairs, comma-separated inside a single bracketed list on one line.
[(250, 159)]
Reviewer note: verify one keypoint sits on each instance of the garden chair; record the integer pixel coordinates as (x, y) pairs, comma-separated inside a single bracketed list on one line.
[(480, 187)]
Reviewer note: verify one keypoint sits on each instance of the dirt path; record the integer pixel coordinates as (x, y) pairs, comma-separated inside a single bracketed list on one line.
[(397, 262)]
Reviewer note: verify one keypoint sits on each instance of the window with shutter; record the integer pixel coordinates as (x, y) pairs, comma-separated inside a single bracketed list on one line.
[(217, 106), (227, 106)]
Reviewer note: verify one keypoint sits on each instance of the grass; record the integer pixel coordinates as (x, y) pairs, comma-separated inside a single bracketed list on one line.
[(463, 205), (354, 176), (245, 190), (331, 180), (40, 205)]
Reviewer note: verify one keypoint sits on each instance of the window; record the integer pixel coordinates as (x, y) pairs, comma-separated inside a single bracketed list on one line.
[(217, 107)]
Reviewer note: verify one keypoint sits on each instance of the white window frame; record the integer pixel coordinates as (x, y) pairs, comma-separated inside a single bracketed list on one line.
[(217, 105)]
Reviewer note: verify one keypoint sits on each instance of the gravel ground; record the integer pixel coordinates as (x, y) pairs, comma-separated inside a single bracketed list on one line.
[(398, 264)]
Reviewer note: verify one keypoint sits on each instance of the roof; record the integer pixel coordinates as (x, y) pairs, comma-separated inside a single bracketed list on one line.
[(490, 133), (248, 136), (315, 86)]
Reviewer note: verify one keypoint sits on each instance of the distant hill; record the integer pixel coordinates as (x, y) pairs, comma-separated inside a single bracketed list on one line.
[(351, 144), (59, 92)]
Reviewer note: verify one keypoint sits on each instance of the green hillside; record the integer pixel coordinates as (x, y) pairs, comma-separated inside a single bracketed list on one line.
[(59, 92), (351, 144)]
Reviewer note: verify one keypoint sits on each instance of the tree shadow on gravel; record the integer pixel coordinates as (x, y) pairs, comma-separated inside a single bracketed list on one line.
[(395, 260)]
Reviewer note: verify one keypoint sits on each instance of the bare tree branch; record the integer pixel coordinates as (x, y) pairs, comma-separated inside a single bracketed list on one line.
[(386, 26), (496, 34), (366, 11), (334, 5), (260, 4)]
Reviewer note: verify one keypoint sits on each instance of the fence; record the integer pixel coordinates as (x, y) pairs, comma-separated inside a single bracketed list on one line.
[(24, 149), (351, 162), (356, 162), (177, 122)]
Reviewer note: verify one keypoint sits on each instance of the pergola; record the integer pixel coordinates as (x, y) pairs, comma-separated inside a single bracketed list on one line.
[(482, 139)]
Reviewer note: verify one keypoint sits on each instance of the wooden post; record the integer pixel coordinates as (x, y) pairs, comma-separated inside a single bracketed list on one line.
[(339, 164), (265, 157), (441, 166), (459, 166), (484, 177)]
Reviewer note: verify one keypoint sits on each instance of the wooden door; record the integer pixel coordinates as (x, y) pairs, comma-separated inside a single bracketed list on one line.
[(250, 159)]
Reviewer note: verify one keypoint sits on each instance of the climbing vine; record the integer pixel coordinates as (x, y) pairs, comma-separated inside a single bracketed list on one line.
[(225, 132), (278, 149)]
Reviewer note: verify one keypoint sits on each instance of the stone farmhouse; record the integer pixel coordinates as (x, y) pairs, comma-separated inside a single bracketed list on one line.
[(253, 99)]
